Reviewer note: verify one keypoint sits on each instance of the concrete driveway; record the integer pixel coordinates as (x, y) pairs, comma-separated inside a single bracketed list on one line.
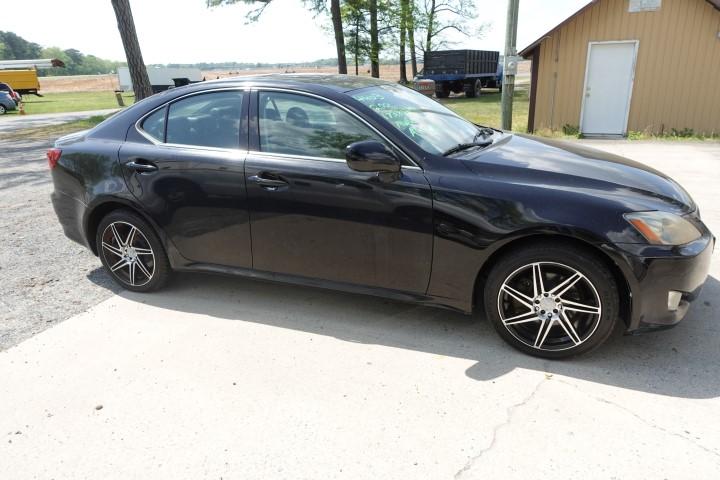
[(230, 378)]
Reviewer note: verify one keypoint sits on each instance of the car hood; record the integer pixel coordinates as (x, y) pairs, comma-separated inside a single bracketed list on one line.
[(570, 166)]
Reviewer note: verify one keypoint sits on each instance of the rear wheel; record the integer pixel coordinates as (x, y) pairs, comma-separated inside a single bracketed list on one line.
[(474, 90), (552, 302), (131, 252), (2, 109), (442, 90)]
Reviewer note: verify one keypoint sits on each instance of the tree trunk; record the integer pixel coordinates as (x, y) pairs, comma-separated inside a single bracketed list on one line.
[(374, 42), (357, 47), (126, 27), (411, 36), (339, 36), (431, 26), (403, 26)]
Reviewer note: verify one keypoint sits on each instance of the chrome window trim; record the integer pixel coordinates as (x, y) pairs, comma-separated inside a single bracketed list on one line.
[(289, 156), (342, 107), (138, 125), (154, 141)]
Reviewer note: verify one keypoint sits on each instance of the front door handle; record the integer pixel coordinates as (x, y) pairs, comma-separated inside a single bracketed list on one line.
[(268, 183), (143, 167)]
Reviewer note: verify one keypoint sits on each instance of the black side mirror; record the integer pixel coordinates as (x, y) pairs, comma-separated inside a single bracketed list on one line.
[(371, 156)]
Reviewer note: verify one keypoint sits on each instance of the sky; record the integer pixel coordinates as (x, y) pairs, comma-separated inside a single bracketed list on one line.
[(185, 31)]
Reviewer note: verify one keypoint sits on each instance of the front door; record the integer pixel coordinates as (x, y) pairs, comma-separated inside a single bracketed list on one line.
[(190, 177), (608, 88), (312, 216)]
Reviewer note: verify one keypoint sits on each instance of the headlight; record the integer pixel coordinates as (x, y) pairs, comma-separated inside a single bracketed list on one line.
[(662, 228)]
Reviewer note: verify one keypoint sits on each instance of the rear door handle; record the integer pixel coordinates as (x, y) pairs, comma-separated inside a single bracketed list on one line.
[(268, 183), (143, 167)]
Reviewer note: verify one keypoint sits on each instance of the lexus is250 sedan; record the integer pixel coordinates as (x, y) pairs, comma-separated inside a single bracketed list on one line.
[(366, 186)]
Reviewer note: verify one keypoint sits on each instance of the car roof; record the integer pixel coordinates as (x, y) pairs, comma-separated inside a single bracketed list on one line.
[(340, 83)]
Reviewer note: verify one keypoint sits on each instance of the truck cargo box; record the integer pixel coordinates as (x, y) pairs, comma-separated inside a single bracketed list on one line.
[(461, 62)]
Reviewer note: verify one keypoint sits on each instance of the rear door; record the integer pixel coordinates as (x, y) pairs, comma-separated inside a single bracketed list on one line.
[(189, 176), (312, 216)]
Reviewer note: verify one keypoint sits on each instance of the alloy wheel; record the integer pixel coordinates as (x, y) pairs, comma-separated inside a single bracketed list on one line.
[(128, 253), (549, 306)]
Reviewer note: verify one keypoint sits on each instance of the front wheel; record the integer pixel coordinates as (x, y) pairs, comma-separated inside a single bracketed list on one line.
[(2, 109), (552, 302), (131, 252)]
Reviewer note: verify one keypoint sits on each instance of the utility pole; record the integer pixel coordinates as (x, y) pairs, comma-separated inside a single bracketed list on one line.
[(509, 64)]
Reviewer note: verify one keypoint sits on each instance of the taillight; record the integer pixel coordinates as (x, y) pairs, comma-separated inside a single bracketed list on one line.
[(53, 155)]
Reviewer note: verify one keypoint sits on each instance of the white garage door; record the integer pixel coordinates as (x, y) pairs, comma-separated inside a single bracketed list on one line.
[(608, 87)]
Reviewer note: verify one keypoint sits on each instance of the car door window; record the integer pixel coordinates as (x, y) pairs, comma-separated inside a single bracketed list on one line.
[(295, 124), (209, 120), (154, 125)]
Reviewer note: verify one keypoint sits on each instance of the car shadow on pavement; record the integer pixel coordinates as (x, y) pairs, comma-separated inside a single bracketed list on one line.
[(681, 362)]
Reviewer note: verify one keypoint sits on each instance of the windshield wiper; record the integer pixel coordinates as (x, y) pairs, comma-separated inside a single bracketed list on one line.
[(484, 132), (465, 146)]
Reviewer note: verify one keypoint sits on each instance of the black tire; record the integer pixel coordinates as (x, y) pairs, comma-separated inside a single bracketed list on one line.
[(2, 109), (595, 289), (130, 262), (442, 93), (474, 90)]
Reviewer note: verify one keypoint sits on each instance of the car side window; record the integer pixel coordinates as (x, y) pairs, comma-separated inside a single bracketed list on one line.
[(208, 120), (305, 126), (154, 125)]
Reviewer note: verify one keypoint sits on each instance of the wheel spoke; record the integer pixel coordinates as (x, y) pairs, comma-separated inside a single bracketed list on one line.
[(538, 286), (131, 236), (143, 269), (520, 297), (114, 250), (131, 268), (116, 235), (143, 251), (566, 285), (119, 265), (522, 318), (543, 331), (569, 328), (580, 307)]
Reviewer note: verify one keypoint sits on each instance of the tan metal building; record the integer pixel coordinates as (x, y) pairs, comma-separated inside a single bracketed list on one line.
[(629, 65)]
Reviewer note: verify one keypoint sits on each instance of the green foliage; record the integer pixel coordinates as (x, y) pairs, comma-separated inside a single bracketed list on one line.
[(571, 130), (14, 47), (684, 133)]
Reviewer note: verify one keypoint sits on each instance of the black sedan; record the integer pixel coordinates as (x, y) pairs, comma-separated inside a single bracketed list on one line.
[(367, 186)]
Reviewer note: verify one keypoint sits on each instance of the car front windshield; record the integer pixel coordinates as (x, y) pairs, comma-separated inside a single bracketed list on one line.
[(435, 128)]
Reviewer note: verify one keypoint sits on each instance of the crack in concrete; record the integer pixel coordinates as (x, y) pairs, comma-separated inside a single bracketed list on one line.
[(643, 420), (510, 413)]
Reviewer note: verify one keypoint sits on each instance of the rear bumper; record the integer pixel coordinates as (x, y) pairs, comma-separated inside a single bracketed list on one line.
[(653, 272), (70, 212)]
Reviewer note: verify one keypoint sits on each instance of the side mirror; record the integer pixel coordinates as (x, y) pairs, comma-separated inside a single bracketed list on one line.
[(371, 156)]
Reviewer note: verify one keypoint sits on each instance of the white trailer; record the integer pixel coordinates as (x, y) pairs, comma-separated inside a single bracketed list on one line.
[(160, 78)]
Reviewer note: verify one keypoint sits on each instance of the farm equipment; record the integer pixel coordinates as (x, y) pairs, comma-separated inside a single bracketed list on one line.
[(459, 71)]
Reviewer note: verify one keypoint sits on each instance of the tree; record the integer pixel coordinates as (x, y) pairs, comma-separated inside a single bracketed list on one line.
[(317, 6), (411, 36), (138, 72), (404, 14), (439, 16), (357, 39), (374, 40)]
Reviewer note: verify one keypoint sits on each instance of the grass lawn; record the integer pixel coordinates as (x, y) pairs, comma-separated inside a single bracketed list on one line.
[(53, 131), (72, 102), (485, 110)]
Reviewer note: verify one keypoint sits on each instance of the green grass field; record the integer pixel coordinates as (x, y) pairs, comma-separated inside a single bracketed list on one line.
[(72, 102), (485, 110)]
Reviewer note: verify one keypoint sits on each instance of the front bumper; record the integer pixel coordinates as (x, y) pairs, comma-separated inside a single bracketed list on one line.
[(652, 272)]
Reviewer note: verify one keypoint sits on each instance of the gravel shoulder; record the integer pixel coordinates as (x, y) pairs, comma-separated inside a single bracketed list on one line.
[(44, 277)]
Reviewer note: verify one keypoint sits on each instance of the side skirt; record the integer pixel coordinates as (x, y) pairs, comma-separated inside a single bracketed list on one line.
[(402, 296)]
